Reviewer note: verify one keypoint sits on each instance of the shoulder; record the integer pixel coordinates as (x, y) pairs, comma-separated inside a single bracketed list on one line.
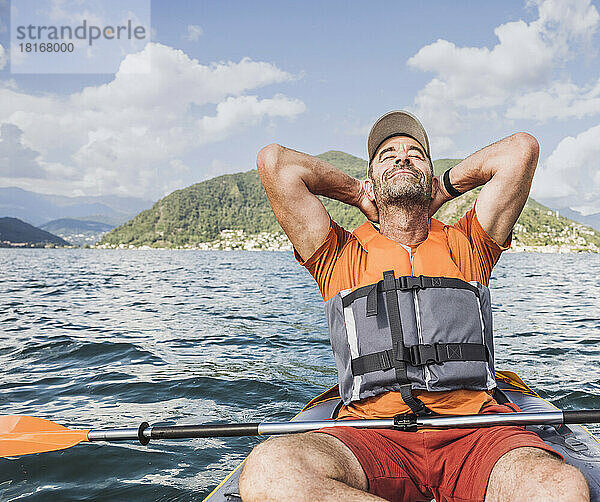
[(332, 245), (335, 262), (470, 227), (473, 247)]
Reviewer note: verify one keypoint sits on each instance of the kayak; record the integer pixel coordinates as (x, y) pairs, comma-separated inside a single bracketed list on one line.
[(574, 442)]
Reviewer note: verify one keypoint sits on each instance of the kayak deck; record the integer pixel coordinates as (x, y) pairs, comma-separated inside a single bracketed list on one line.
[(575, 443)]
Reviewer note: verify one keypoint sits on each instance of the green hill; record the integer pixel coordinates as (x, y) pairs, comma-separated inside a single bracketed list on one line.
[(17, 233), (234, 207)]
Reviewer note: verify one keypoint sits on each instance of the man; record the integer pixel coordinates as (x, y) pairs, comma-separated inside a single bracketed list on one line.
[(401, 194)]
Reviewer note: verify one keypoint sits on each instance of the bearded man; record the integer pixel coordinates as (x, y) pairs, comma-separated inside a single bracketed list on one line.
[(409, 315)]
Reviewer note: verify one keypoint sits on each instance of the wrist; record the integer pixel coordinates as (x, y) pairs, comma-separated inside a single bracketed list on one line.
[(359, 193), (448, 187)]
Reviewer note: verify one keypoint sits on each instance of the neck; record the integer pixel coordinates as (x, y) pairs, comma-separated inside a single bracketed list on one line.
[(404, 225)]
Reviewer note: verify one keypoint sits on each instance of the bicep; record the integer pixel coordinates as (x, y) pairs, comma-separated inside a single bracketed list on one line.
[(502, 198), (300, 213)]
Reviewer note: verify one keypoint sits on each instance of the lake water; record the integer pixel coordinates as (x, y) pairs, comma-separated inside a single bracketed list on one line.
[(111, 338)]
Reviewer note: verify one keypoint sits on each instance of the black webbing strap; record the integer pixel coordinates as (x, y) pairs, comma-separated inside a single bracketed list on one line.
[(415, 404), (443, 352), (372, 301), (405, 283), (423, 282), (368, 291), (393, 312), (420, 355), (377, 361)]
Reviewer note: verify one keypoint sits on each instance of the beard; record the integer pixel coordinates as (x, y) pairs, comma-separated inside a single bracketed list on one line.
[(403, 190)]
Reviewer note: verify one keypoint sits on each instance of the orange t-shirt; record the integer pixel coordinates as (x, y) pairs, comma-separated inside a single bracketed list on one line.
[(350, 260)]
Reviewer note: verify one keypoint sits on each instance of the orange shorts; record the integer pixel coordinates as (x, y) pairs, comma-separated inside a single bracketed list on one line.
[(448, 465)]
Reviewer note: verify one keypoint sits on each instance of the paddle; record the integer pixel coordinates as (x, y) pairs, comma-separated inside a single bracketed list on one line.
[(22, 435)]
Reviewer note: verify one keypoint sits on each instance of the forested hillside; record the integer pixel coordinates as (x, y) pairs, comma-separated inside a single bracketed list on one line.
[(234, 208)]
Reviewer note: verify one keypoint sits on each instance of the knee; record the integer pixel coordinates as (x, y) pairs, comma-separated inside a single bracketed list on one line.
[(562, 481), (528, 473), (264, 466), (573, 484)]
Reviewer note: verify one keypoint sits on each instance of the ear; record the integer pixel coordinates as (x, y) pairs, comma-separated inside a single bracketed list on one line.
[(369, 189), (435, 186)]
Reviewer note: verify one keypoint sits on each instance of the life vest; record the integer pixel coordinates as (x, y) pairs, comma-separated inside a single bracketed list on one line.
[(406, 333)]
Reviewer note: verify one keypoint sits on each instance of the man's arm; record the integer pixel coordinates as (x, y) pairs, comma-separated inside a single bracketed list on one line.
[(505, 169), (293, 180)]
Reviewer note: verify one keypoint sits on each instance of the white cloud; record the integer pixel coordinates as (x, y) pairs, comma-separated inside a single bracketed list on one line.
[(567, 20), (472, 84), (562, 100), (194, 32), (480, 77), (239, 113), (16, 159), (570, 176), (114, 137)]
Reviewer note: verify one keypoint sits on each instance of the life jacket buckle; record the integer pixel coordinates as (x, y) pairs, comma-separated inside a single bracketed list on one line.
[(424, 354), (410, 282)]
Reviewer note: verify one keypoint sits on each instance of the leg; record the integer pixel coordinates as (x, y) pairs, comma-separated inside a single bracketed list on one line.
[(310, 466), (527, 473)]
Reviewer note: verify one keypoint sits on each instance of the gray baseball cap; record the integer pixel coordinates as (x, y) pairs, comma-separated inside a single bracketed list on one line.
[(396, 123)]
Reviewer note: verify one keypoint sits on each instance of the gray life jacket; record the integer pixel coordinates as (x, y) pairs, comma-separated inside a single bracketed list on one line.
[(427, 333)]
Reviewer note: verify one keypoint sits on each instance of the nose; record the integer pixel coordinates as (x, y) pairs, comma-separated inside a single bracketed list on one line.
[(401, 158)]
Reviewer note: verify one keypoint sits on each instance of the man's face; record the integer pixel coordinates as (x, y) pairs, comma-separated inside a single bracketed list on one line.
[(401, 173)]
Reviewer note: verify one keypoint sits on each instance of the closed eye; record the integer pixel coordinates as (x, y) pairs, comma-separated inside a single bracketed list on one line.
[(415, 152)]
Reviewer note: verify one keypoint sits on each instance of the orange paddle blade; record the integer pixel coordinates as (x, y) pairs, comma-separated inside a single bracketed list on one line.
[(21, 435)]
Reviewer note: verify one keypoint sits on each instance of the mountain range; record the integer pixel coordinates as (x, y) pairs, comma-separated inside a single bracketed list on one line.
[(77, 232), (232, 211), (37, 209)]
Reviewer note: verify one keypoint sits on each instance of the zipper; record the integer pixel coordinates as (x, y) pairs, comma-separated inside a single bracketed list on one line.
[(426, 372)]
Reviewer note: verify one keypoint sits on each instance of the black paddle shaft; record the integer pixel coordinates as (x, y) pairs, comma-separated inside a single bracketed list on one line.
[(204, 431), (581, 417)]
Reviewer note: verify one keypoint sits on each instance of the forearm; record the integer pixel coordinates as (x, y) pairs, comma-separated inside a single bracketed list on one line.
[(514, 157), (505, 169), (319, 176)]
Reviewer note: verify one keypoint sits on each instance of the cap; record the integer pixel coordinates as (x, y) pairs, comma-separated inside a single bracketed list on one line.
[(396, 123)]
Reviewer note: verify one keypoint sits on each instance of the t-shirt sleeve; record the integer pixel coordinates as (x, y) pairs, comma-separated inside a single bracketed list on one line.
[(321, 263), (486, 249)]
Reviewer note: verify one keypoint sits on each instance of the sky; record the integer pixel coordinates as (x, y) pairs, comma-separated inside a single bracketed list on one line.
[(216, 81)]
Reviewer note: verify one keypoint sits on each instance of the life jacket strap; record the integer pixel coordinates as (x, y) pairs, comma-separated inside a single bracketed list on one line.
[(420, 355), (404, 283), (415, 404), (439, 353), (393, 312)]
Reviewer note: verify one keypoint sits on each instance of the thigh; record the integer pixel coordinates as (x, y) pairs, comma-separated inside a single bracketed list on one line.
[(469, 456), (309, 455), (533, 474)]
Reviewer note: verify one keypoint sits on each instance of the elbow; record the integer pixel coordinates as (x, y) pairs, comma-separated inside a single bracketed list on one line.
[(529, 150), (269, 157)]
